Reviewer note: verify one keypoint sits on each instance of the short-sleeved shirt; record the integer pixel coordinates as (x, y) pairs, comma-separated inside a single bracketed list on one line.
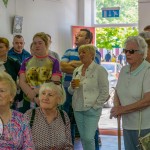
[(39, 70), (130, 88), (17, 134), (72, 54)]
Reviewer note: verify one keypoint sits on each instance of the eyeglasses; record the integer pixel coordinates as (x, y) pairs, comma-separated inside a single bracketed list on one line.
[(131, 51)]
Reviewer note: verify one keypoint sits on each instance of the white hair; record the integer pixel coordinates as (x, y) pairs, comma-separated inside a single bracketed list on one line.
[(58, 88), (141, 43)]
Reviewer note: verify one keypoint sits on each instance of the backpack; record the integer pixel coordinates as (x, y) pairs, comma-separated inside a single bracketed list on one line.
[(33, 116)]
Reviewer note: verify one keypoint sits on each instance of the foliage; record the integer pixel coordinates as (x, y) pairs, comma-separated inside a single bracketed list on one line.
[(128, 11), (110, 38)]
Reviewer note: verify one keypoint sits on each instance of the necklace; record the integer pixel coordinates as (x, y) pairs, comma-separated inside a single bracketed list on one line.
[(7, 128)]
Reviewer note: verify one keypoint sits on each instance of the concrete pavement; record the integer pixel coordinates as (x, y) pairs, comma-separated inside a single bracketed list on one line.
[(106, 125)]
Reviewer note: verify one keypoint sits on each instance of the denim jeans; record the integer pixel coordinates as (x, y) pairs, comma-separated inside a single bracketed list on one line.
[(68, 108), (131, 138), (87, 122)]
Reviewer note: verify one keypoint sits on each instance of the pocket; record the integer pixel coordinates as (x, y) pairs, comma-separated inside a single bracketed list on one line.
[(94, 112)]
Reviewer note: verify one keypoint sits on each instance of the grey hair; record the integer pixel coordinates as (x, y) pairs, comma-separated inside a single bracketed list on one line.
[(89, 47), (58, 88), (145, 34), (5, 77), (142, 45)]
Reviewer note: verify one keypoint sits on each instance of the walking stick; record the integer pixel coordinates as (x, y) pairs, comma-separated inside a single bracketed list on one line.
[(116, 103), (119, 133)]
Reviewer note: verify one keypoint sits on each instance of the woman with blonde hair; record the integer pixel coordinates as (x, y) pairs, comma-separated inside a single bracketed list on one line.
[(11, 66), (89, 96), (16, 131), (36, 70)]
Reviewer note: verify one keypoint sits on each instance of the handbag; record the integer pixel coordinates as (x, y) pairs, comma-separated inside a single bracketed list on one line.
[(144, 142)]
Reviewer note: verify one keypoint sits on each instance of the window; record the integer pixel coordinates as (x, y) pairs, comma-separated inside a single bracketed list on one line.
[(128, 13)]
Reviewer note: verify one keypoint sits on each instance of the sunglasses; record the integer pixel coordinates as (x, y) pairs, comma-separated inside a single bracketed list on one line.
[(131, 51)]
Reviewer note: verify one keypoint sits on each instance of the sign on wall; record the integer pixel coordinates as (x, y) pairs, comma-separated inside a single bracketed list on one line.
[(110, 12)]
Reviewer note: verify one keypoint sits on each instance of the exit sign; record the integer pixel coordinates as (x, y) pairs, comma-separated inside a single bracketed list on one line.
[(110, 12)]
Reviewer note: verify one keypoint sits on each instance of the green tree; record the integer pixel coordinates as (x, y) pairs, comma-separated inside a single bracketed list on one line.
[(110, 38)]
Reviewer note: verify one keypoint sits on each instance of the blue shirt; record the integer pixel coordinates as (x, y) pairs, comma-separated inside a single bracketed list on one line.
[(72, 54), (20, 57)]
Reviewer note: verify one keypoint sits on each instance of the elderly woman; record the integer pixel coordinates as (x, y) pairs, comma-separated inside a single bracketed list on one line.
[(133, 92), (146, 36), (50, 127), (9, 65), (89, 97), (16, 133), (36, 70)]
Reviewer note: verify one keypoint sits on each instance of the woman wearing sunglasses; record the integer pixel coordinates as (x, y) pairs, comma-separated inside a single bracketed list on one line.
[(50, 126), (133, 92), (146, 36)]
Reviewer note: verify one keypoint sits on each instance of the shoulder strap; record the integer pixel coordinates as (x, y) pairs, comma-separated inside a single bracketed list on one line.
[(62, 116), (140, 111), (32, 118)]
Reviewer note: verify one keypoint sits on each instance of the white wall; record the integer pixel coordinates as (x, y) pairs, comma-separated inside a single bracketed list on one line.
[(51, 16), (144, 11)]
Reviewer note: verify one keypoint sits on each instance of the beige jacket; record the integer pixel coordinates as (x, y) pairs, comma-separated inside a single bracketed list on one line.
[(95, 86)]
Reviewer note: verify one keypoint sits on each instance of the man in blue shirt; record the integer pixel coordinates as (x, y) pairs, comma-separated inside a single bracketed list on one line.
[(18, 52), (108, 57), (70, 60)]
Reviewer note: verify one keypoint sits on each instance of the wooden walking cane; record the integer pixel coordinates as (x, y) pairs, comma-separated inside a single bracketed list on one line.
[(119, 133), (117, 103)]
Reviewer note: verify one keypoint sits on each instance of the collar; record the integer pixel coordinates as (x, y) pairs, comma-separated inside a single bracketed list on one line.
[(90, 67), (137, 70), (13, 52)]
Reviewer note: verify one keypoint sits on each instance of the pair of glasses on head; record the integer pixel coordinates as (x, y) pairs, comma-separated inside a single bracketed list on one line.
[(131, 51)]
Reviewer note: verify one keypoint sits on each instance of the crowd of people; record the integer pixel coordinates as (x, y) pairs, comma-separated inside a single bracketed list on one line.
[(41, 103), (121, 58)]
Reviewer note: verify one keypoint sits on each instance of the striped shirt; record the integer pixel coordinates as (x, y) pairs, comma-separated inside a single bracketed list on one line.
[(72, 54)]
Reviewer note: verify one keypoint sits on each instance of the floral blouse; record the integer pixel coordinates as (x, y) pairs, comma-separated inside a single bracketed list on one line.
[(16, 134)]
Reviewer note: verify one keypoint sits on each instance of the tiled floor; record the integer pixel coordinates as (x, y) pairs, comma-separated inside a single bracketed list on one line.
[(108, 143)]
